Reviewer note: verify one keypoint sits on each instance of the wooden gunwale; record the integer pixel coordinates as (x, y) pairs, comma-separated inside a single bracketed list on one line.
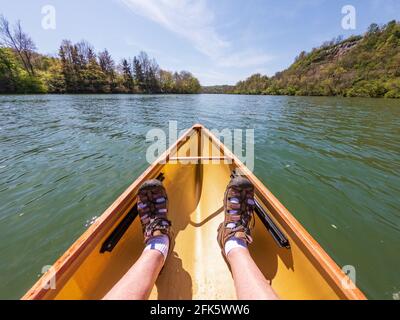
[(123, 203), (304, 240)]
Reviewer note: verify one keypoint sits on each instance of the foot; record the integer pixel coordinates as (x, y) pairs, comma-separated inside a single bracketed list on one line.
[(153, 209), (238, 206)]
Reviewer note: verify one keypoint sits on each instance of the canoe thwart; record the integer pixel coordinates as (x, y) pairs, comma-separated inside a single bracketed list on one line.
[(206, 159)]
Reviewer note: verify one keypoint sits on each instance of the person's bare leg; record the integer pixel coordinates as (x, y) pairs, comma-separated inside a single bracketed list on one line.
[(234, 236), (250, 285), (138, 282)]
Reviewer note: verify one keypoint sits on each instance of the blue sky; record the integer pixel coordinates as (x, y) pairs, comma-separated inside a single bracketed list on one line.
[(219, 41)]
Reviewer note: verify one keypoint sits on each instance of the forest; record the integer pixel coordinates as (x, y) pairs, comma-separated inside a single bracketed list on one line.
[(78, 68), (359, 66)]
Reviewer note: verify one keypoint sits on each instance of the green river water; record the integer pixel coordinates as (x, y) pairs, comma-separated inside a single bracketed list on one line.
[(333, 162)]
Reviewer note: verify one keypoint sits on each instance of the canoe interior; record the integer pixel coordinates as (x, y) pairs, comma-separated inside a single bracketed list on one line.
[(196, 269)]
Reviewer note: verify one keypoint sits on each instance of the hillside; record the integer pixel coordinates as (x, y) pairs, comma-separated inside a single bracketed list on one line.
[(360, 66)]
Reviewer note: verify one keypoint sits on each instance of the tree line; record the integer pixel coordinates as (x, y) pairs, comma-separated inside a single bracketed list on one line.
[(359, 66), (79, 69)]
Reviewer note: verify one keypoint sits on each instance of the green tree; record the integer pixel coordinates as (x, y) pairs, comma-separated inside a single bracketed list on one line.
[(167, 82), (9, 74), (138, 73), (107, 66), (78, 69), (127, 75), (19, 41), (364, 66)]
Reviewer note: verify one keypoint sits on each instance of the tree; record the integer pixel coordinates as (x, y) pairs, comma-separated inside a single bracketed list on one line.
[(85, 52), (138, 73), (357, 66), (153, 83), (373, 28), (106, 62), (54, 77), (94, 78), (256, 84), (8, 72), (19, 41), (69, 65), (186, 83), (167, 83), (146, 71), (127, 74), (78, 69), (107, 65), (301, 56)]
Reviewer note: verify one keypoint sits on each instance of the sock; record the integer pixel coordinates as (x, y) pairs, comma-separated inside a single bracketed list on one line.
[(233, 243), (159, 243)]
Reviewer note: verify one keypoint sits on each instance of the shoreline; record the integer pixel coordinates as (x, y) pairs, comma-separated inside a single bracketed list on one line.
[(189, 94)]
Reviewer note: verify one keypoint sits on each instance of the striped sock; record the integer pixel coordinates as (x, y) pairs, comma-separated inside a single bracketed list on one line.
[(159, 243)]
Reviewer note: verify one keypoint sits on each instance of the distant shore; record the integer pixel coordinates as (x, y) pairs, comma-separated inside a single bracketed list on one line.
[(359, 66)]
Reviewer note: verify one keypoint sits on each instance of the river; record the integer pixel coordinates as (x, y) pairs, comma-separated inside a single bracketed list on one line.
[(333, 162)]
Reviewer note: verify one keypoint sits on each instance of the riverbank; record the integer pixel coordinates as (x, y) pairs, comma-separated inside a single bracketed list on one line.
[(217, 91), (359, 66)]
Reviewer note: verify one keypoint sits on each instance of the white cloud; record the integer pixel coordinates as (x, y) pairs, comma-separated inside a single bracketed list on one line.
[(188, 18), (194, 21)]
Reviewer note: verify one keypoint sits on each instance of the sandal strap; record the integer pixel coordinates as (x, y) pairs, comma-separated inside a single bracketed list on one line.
[(240, 232), (159, 226)]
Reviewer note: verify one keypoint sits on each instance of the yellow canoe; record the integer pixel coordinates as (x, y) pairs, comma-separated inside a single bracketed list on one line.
[(288, 256)]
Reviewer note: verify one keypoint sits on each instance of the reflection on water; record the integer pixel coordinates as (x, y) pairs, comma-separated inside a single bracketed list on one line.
[(333, 162)]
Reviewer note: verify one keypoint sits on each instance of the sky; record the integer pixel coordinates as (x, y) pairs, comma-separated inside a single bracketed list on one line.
[(219, 41)]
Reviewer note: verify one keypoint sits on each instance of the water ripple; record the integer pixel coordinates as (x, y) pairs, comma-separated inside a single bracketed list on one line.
[(331, 161)]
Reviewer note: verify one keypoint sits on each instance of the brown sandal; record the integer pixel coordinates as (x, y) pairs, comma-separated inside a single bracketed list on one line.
[(153, 208), (239, 206)]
